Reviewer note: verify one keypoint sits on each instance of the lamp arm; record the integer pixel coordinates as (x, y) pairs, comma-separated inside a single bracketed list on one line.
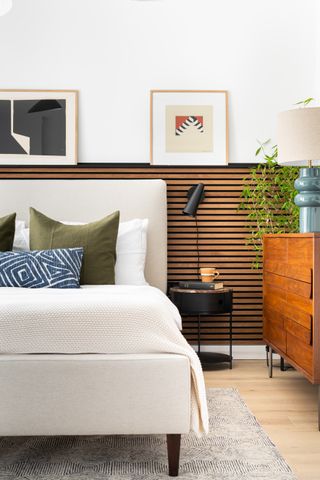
[(197, 243)]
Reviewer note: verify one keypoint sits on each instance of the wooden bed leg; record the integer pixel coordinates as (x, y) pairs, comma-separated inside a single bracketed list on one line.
[(173, 446)]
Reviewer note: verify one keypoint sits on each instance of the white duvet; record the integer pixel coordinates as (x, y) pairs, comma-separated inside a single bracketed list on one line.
[(99, 319)]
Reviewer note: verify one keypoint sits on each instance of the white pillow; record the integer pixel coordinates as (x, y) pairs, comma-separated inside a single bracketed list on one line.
[(19, 241), (131, 250)]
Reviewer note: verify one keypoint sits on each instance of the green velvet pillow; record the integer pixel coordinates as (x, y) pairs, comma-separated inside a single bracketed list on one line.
[(7, 229), (98, 240)]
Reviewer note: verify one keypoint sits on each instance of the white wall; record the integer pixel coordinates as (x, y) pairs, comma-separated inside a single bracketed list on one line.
[(115, 51), (317, 76)]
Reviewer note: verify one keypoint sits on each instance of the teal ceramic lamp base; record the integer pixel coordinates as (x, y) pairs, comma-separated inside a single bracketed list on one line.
[(308, 199)]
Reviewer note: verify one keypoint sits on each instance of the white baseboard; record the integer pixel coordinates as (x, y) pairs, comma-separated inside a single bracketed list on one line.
[(240, 352)]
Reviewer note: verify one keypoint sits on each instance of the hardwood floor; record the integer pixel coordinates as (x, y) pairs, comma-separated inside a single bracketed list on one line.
[(285, 406)]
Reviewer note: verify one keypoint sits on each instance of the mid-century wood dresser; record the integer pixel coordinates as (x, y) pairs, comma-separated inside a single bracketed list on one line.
[(291, 300)]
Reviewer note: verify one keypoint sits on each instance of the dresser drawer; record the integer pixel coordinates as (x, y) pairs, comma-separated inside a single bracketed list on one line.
[(292, 306), (276, 267), (273, 296), (276, 336), (301, 303), (275, 249), (297, 287), (293, 313), (300, 252), (296, 272), (298, 331), (274, 329), (301, 353)]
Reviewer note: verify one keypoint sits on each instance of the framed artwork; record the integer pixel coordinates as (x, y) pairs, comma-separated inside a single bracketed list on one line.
[(189, 127), (38, 127)]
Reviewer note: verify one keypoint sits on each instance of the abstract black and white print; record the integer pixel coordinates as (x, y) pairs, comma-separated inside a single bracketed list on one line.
[(38, 127), (59, 268), (28, 127)]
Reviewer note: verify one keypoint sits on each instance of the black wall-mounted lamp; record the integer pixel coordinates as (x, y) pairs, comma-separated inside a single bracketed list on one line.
[(195, 197)]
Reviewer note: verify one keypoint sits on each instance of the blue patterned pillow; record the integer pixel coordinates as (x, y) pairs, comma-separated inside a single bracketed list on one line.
[(58, 268)]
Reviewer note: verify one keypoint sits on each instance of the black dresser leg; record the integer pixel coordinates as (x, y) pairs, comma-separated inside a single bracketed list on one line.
[(270, 362)]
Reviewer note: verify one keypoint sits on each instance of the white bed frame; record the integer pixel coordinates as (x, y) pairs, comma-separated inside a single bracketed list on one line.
[(97, 394)]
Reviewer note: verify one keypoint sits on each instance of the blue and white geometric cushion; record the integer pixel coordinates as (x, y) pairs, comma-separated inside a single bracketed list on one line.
[(59, 268)]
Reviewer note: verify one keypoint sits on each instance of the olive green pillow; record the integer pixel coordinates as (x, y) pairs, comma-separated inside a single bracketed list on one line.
[(98, 240), (7, 229)]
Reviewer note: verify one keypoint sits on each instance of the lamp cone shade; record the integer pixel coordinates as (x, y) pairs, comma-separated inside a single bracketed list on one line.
[(195, 196), (298, 136)]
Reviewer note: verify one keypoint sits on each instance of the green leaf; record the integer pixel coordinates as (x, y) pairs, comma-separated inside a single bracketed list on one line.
[(305, 102)]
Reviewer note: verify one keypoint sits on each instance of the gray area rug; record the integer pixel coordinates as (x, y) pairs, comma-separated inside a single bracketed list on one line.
[(236, 449)]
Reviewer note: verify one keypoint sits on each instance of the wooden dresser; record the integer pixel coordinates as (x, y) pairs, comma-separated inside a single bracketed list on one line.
[(291, 300)]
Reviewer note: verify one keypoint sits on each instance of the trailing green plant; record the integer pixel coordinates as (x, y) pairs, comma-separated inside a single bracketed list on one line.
[(268, 197)]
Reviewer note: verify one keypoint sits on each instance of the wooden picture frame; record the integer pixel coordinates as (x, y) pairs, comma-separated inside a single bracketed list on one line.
[(38, 127), (189, 127)]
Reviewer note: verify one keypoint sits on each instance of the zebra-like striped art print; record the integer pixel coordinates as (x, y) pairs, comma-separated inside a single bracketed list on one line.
[(183, 123), (59, 268), (189, 127)]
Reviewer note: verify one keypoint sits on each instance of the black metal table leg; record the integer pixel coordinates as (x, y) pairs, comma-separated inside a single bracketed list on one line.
[(230, 338), (199, 336)]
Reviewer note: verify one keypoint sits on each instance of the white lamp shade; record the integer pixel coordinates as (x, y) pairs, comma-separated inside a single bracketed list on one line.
[(298, 136), (5, 6)]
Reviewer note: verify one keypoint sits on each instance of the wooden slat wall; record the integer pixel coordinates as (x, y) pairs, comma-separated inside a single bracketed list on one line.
[(222, 236)]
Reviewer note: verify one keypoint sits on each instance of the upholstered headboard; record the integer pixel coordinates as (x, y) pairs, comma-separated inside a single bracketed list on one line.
[(88, 200)]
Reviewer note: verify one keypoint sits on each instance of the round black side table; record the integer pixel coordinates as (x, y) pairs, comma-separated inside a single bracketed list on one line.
[(203, 303)]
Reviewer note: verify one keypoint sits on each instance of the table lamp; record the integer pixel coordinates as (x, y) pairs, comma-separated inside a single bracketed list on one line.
[(195, 197), (298, 139)]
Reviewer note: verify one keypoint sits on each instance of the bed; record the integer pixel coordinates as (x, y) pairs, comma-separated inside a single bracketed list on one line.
[(96, 390)]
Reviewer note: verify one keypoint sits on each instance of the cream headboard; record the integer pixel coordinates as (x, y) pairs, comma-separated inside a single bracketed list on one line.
[(88, 200)]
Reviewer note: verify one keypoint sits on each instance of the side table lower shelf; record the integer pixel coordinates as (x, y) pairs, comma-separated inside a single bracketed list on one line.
[(209, 359)]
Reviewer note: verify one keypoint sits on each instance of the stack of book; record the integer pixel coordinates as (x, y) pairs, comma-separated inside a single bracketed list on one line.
[(194, 285)]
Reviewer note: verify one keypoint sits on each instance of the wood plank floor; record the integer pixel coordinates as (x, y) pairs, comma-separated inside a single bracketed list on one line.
[(285, 406)]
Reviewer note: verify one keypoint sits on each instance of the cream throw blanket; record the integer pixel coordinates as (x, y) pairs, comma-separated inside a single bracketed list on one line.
[(99, 319)]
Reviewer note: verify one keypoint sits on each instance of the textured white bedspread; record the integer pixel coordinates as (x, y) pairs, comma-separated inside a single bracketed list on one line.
[(98, 319)]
